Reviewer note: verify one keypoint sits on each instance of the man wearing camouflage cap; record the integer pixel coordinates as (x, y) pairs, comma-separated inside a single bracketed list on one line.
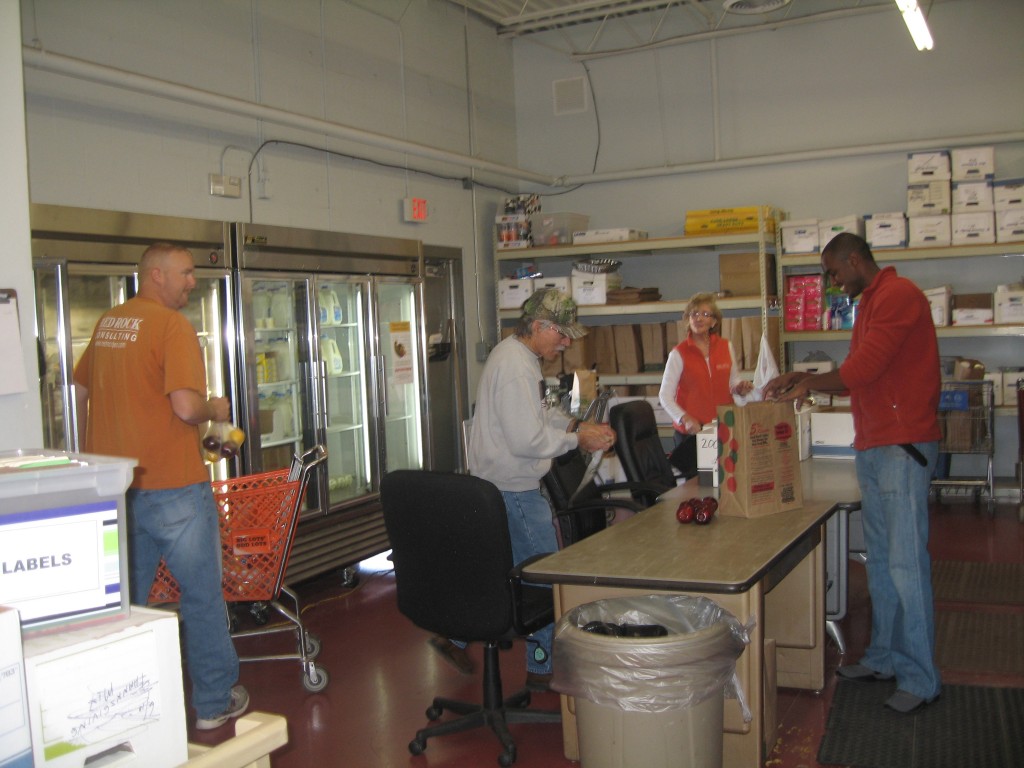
[(516, 435)]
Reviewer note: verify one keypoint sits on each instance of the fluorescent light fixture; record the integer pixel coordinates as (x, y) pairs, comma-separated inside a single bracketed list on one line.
[(916, 23)]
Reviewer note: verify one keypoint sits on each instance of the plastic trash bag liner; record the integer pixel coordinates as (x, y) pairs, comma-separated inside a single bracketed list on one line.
[(627, 667)]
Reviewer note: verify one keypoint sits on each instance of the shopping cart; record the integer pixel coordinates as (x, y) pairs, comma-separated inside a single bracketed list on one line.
[(258, 518)]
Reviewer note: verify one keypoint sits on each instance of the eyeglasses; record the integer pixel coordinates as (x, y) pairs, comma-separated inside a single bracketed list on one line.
[(556, 329), (705, 315)]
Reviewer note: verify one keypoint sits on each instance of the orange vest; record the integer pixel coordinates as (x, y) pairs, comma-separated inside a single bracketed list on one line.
[(700, 391)]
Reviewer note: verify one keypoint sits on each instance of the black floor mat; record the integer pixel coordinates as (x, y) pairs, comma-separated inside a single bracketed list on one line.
[(969, 726), (986, 583)]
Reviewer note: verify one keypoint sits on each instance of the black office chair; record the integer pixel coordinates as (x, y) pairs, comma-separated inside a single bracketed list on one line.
[(455, 578), (639, 446), (581, 506)]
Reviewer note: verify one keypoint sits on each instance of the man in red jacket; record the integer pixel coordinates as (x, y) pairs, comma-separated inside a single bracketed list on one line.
[(892, 376)]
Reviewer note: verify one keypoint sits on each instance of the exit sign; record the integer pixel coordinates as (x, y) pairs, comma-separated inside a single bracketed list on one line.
[(414, 209)]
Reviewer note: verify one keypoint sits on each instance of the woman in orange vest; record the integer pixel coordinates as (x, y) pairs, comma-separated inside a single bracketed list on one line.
[(699, 376)]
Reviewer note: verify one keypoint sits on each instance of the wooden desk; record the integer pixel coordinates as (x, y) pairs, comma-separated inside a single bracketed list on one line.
[(767, 571)]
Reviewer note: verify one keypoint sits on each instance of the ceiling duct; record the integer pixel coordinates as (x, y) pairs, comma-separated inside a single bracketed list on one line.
[(751, 7)]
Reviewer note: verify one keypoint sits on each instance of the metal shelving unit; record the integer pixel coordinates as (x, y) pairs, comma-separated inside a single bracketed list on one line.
[(966, 415)]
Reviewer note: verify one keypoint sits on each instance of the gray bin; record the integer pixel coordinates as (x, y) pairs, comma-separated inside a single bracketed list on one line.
[(649, 702)]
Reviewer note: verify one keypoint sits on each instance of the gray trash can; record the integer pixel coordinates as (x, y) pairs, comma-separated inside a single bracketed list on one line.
[(649, 675)]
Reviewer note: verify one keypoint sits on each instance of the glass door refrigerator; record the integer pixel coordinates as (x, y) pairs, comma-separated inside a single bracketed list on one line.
[(332, 354), (85, 262)]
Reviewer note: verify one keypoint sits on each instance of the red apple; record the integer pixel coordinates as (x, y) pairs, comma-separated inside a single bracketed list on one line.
[(686, 511), (703, 517), (711, 502)]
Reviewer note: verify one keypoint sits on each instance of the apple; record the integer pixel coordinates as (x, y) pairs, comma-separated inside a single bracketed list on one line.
[(229, 449), (686, 511), (211, 443), (703, 516), (711, 502)]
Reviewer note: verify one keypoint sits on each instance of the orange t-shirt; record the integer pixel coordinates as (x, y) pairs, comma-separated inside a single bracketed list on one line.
[(140, 352)]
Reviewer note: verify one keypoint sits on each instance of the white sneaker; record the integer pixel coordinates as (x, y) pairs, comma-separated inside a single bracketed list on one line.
[(237, 705)]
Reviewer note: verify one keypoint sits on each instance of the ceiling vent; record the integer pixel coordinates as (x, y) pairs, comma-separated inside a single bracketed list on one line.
[(753, 6), (570, 95)]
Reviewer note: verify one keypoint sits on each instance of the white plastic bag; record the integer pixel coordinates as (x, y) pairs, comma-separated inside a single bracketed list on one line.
[(767, 369)]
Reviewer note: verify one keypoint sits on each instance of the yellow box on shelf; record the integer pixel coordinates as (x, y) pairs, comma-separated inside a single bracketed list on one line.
[(716, 221)]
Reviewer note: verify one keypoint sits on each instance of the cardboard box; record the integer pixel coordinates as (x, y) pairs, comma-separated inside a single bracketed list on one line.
[(966, 369), (929, 198), (580, 355), (829, 228), (1008, 194), (941, 302), (832, 433), (973, 228), (603, 341), (732, 330), (628, 353), (1010, 225), (886, 230), (968, 163), (15, 734), (109, 686), (928, 231), (592, 288), (563, 284), (1009, 306), (556, 228), (739, 274), (758, 459), (512, 293), (512, 231), (973, 309), (971, 196), (718, 221), (928, 166), (616, 235), (652, 342), (800, 236)]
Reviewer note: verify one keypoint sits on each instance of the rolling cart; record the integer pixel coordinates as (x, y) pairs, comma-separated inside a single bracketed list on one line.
[(967, 418), (258, 519)]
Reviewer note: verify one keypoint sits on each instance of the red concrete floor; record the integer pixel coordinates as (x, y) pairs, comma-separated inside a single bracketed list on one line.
[(383, 674)]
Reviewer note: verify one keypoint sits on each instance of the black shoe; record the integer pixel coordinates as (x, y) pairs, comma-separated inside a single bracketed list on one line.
[(905, 702), (861, 674)]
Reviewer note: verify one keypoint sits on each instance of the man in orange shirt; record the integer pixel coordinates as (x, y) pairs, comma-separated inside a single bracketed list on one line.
[(141, 389)]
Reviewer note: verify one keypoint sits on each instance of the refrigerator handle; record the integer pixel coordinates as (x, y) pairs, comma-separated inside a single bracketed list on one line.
[(318, 377), (383, 383)]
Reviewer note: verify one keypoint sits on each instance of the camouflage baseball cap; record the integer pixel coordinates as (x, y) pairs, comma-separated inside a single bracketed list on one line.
[(554, 306)]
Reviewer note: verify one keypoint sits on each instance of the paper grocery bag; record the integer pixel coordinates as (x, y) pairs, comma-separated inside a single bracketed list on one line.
[(758, 459)]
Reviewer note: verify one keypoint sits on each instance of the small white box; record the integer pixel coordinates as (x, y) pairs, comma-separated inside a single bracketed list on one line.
[(618, 235), (1008, 194), (1010, 225), (563, 284), (972, 228), (15, 734), (829, 228), (973, 163), (940, 300), (800, 236), (928, 166), (832, 433), (592, 288), (971, 196), (886, 230), (815, 366), (1009, 306), (996, 377), (707, 454), (109, 686), (927, 231), (973, 316), (803, 428), (929, 198), (512, 293), (1010, 376)]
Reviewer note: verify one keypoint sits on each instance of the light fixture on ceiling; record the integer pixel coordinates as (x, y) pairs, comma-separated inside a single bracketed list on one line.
[(753, 6), (916, 23)]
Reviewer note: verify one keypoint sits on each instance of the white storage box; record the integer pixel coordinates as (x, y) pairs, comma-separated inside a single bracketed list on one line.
[(973, 228), (928, 231), (971, 196), (592, 288), (112, 687), (512, 293), (1010, 225), (15, 734), (563, 284), (832, 433), (63, 535), (800, 236), (556, 228), (815, 366), (940, 300), (803, 428), (973, 163), (1008, 194), (829, 228), (886, 230), (1009, 306), (928, 166), (929, 198), (707, 455), (617, 235)]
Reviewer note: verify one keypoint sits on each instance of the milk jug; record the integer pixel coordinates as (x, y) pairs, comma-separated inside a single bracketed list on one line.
[(330, 307), (281, 309), (260, 307), (332, 355)]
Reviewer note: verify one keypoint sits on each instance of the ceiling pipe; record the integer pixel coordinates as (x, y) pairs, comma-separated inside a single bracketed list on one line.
[(130, 81)]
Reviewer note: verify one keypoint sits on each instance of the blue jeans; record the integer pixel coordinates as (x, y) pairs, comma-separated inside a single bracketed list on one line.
[(894, 504), (181, 525), (533, 533)]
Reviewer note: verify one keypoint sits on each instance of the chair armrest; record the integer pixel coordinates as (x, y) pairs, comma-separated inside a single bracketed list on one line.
[(532, 606), (612, 503), (647, 492)]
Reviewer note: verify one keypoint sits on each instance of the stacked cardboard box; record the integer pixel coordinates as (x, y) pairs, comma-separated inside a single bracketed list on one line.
[(722, 221)]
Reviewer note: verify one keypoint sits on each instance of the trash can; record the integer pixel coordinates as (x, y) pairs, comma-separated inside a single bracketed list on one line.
[(649, 675)]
